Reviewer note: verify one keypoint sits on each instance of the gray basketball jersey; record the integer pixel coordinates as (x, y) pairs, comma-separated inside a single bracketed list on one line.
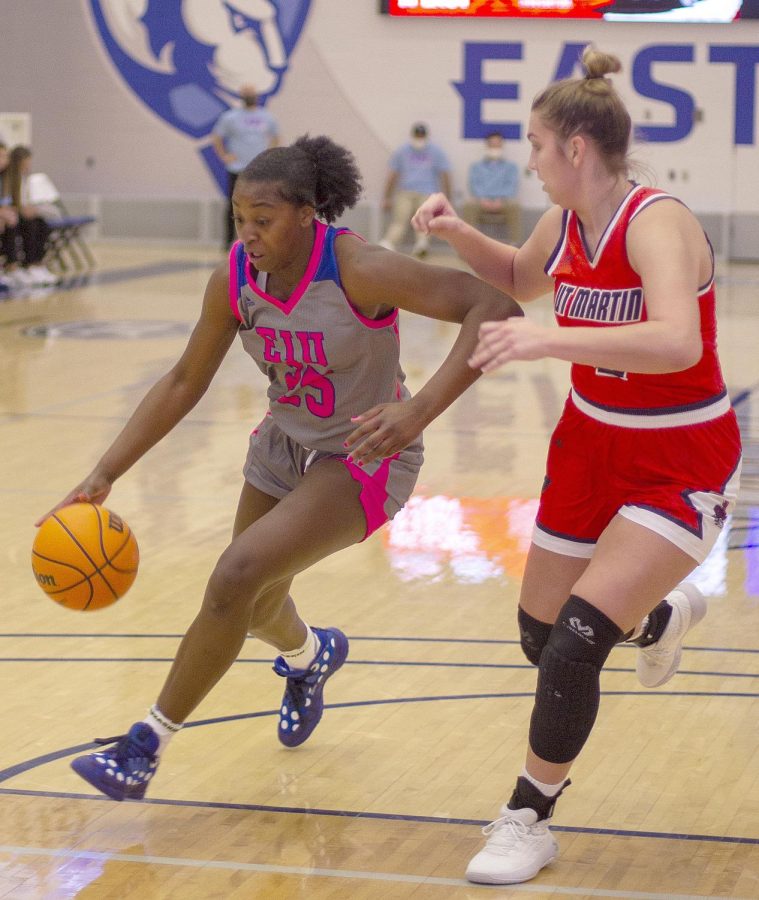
[(324, 359)]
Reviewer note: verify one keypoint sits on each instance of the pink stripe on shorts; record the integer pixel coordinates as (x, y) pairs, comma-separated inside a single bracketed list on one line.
[(373, 494)]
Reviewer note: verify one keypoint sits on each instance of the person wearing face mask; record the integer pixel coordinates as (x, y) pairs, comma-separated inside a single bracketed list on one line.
[(418, 168), (238, 137), (493, 185)]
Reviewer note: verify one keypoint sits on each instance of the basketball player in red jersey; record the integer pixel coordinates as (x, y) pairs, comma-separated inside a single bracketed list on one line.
[(337, 453), (644, 463)]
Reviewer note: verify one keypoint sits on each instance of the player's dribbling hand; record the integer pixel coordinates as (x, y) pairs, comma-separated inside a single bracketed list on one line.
[(382, 431), (511, 339), (94, 489)]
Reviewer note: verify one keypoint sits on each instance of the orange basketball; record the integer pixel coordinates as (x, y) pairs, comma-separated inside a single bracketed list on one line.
[(85, 556)]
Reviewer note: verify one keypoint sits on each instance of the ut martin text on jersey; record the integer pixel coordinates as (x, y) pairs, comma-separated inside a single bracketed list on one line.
[(577, 302)]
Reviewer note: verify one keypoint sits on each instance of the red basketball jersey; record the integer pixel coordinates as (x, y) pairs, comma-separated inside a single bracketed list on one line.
[(601, 289)]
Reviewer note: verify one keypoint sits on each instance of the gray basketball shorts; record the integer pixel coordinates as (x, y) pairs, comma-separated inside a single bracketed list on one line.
[(276, 464)]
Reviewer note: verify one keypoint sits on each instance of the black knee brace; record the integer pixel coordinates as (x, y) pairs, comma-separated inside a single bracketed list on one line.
[(533, 635), (568, 692)]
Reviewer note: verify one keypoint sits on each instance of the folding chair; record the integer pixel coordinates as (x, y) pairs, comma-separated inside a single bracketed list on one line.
[(66, 240), (66, 246)]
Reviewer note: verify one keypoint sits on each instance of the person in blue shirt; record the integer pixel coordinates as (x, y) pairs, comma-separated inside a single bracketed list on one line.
[(494, 185), (417, 169), (238, 137)]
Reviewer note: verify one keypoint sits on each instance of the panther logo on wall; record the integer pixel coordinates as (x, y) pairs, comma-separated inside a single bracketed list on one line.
[(186, 59)]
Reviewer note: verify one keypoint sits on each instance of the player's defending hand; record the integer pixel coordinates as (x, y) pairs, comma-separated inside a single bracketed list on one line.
[(436, 216), (383, 431), (94, 489), (502, 342)]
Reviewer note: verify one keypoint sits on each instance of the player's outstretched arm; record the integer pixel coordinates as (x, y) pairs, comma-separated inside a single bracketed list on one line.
[(170, 398), (517, 271), (376, 279)]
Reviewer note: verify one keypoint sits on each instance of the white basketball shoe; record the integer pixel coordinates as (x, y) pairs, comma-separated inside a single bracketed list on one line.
[(519, 845), (519, 842), (658, 662)]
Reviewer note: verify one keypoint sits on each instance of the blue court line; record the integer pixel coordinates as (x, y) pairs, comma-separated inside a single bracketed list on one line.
[(387, 817), (23, 767), (353, 637), (360, 662), (103, 634), (20, 768), (743, 395), (350, 704), (373, 662), (37, 761)]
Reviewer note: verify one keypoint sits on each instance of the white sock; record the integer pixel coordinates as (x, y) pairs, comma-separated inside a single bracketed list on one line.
[(163, 727), (302, 657), (547, 790)]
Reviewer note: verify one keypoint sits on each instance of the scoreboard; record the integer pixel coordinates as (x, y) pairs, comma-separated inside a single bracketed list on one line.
[(682, 11)]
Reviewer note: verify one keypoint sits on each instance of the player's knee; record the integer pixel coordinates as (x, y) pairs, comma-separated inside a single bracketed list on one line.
[(568, 691), (233, 585), (533, 635)]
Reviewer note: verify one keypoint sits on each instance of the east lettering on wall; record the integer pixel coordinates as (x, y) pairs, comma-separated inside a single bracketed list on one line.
[(344, 69), (668, 104), (691, 91)]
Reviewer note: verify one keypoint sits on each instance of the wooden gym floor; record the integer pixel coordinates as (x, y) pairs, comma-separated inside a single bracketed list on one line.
[(425, 727)]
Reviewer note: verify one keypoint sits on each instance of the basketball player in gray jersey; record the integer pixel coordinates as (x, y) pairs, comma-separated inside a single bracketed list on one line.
[(326, 361), (338, 452)]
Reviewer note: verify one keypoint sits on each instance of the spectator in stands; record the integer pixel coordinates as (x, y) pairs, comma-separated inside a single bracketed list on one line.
[(32, 226), (418, 168), (238, 137), (493, 185)]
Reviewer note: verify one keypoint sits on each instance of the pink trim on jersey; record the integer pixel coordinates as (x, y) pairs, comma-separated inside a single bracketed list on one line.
[(258, 427), (234, 285), (287, 306), (389, 319), (373, 492), (341, 231)]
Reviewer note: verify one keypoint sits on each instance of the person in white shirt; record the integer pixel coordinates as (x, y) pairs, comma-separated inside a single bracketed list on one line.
[(32, 226)]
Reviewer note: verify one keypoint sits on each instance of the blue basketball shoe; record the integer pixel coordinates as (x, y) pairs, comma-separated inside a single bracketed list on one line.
[(124, 771), (303, 703)]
